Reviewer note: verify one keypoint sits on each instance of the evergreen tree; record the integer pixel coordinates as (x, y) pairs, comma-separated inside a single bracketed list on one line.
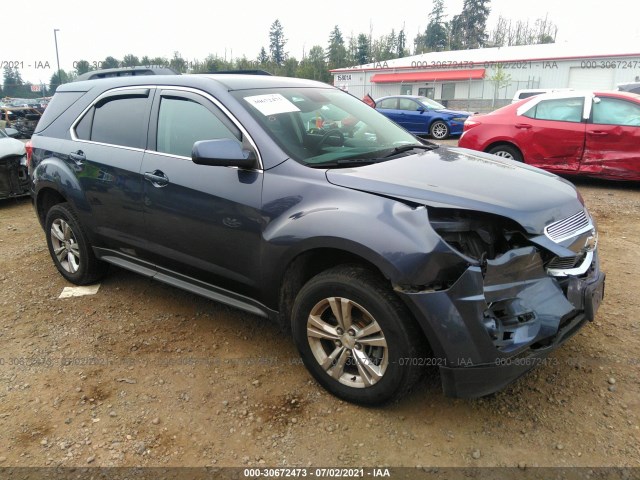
[(468, 30), (336, 51), (363, 54), (277, 43), (57, 79), (436, 35), (8, 81), (263, 58), (401, 44)]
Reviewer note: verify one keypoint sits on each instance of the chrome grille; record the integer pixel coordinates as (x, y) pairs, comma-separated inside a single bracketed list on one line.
[(563, 263), (568, 227)]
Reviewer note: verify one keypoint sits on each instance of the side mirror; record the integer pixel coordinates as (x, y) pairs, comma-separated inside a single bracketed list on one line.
[(421, 109), (222, 153), (12, 132)]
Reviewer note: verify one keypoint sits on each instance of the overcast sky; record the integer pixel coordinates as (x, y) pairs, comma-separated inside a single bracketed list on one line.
[(197, 29)]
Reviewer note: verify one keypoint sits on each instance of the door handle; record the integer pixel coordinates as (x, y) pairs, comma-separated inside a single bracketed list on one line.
[(78, 157), (157, 178), (523, 125), (598, 133)]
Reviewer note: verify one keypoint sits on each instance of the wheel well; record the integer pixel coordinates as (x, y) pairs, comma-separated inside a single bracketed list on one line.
[(46, 199), (305, 266), (507, 144), (308, 264)]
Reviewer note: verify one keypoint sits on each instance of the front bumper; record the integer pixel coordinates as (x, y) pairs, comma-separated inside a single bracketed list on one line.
[(491, 327)]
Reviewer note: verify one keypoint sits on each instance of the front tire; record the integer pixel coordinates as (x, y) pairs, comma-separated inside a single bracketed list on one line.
[(69, 247), (355, 336), (439, 130)]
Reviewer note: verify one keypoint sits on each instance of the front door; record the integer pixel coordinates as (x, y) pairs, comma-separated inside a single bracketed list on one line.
[(612, 147), (201, 221), (553, 131)]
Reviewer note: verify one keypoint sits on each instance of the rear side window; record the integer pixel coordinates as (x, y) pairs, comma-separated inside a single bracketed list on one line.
[(59, 104), (390, 103), (117, 120), (561, 110)]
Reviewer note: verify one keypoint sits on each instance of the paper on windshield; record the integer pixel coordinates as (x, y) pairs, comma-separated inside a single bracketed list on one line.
[(272, 104)]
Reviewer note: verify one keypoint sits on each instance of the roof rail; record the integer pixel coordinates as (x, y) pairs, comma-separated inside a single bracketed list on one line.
[(126, 72), (236, 72)]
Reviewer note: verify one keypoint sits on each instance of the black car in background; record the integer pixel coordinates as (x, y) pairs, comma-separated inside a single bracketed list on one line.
[(383, 253)]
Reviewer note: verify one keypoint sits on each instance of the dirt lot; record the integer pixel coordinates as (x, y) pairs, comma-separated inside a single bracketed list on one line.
[(144, 374)]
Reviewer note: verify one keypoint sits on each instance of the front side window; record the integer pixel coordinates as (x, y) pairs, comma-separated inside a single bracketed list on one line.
[(558, 109), (615, 111), (182, 122), (430, 103), (408, 104)]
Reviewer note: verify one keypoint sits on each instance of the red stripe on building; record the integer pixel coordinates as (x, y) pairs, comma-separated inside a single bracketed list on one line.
[(440, 76)]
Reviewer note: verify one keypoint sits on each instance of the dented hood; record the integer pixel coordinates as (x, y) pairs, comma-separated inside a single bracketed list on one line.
[(461, 178)]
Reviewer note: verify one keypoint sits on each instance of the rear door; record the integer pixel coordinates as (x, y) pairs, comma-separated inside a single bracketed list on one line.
[(613, 139), (389, 108), (201, 221), (552, 133), (106, 152)]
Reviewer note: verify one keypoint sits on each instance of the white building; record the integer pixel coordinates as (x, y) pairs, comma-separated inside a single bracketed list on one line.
[(466, 79)]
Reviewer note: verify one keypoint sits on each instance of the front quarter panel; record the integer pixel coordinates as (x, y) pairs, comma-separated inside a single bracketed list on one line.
[(394, 236)]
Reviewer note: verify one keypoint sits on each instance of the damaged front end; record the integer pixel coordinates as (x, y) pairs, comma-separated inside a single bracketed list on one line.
[(519, 297)]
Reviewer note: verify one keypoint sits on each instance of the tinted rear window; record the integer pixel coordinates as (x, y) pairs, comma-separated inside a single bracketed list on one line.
[(120, 121), (59, 104)]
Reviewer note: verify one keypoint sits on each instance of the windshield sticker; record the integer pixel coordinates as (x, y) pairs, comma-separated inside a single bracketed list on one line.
[(272, 104)]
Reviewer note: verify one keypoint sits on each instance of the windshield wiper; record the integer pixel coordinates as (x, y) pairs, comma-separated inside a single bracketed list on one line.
[(407, 148), (345, 162)]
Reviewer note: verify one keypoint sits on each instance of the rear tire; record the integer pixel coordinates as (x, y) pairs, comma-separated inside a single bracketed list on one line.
[(356, 337), (507, 151), (69, 247)]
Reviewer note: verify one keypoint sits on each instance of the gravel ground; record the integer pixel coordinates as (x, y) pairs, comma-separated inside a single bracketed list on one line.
[(142, 374)]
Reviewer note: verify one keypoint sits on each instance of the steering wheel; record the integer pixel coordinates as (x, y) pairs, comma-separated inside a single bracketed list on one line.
[(335, 133)]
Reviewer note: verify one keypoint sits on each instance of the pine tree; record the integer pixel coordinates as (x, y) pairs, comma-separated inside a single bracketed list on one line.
[(436, 35), (363, 54), (263, 58), (468, 30), (277, 43), (336, 51)]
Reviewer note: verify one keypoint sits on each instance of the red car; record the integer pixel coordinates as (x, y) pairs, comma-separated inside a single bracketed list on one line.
[(573, 133)]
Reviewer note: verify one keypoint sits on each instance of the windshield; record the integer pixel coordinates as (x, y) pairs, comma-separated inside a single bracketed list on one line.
[(318, 126), (427, 102)]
